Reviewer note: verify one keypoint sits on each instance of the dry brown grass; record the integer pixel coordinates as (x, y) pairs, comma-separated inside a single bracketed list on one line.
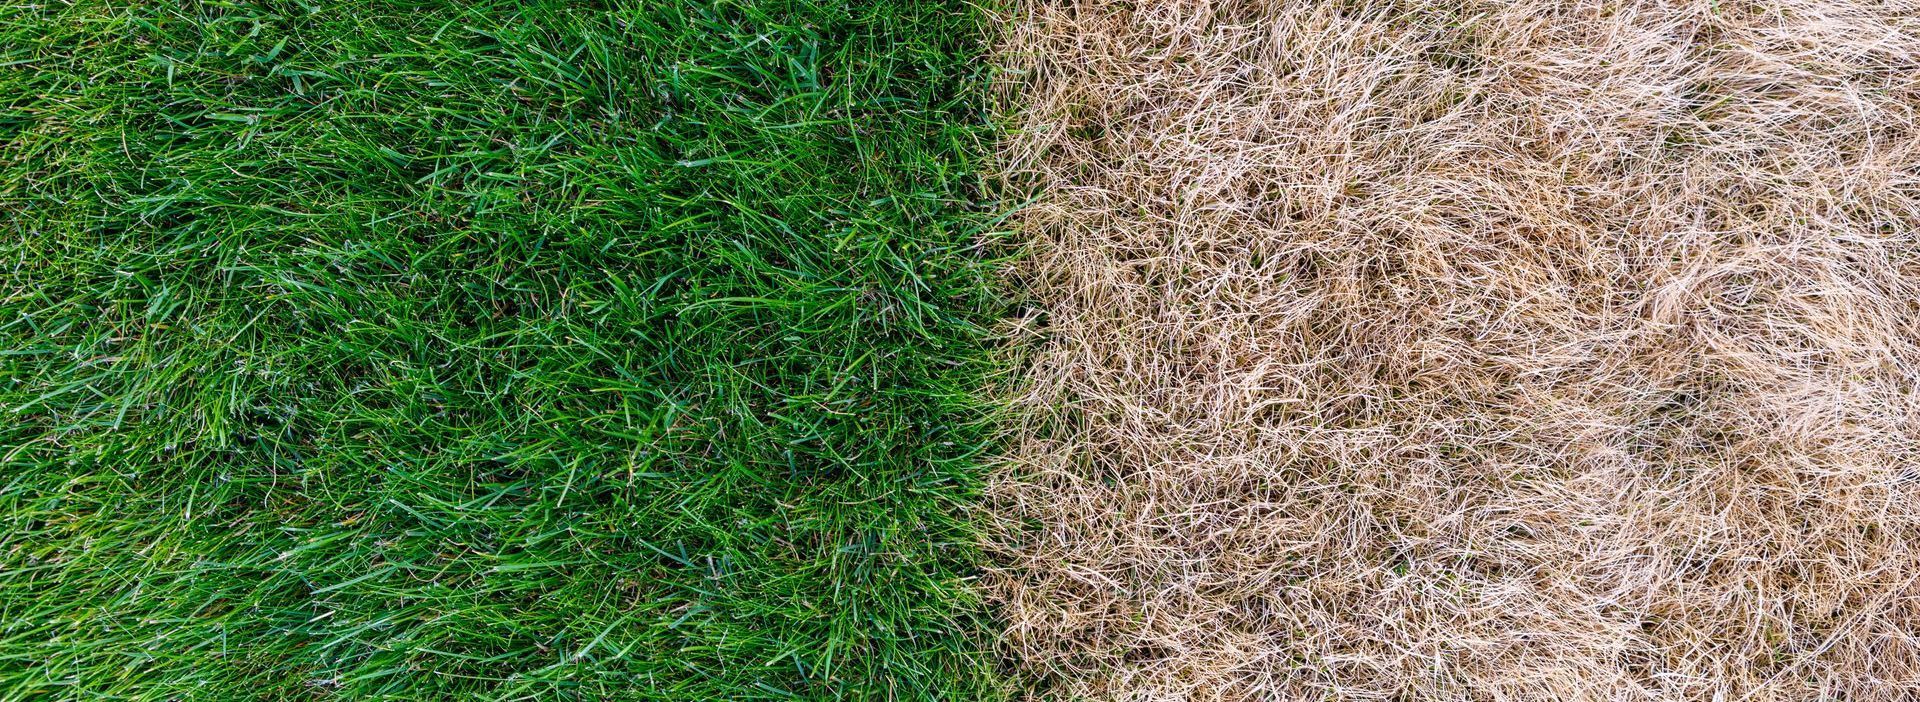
[(1467, 351)]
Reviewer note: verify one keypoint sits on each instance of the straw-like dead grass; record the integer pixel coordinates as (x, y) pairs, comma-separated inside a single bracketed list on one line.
[(1467, 351)]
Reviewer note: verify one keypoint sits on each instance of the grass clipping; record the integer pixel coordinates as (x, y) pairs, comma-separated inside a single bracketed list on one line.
[(1466, 351)]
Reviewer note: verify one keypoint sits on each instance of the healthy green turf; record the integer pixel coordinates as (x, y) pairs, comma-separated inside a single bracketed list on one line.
[(490, 350)]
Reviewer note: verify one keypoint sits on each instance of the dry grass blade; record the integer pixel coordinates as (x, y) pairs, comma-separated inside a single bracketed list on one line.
[(1467, 351)]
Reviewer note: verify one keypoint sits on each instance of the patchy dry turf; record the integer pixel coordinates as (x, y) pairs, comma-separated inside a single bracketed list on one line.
[(1460, 350)]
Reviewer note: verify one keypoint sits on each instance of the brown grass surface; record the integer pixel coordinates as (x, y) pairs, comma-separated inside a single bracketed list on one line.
[(1466, 351)]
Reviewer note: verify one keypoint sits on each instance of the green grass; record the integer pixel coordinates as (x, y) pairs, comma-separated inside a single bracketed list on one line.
[(491, 350)]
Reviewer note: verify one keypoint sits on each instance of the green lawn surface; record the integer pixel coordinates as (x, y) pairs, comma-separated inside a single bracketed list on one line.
[(492, 350)]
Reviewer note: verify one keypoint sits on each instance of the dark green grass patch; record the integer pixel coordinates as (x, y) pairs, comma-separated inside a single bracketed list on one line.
[(506, 350)]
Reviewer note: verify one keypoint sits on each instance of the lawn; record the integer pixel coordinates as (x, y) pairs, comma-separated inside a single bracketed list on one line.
[(492, 350)]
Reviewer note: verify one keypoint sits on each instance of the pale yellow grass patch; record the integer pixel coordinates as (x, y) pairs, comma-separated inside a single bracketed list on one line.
[(1466, 351)]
